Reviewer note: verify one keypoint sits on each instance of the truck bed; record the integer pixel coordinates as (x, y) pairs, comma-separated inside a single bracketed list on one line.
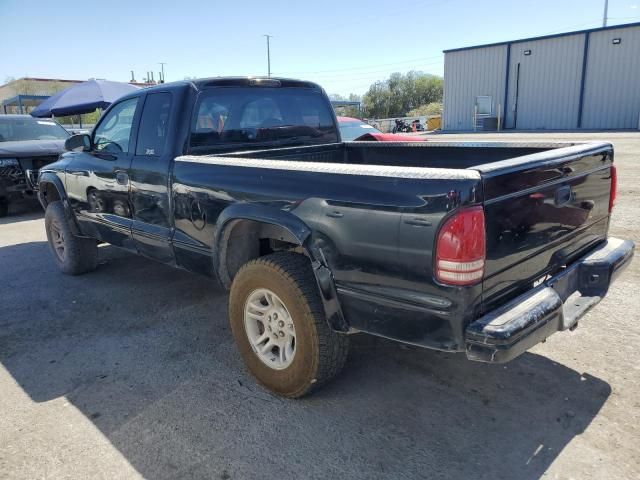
[(431, 154), (375, 209)]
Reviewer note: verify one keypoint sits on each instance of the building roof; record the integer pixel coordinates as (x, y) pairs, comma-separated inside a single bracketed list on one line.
[(62, 80), (41, 80), (544, 37)]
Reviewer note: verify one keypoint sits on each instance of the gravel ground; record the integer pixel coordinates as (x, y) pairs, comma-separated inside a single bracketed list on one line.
[(131, 372)]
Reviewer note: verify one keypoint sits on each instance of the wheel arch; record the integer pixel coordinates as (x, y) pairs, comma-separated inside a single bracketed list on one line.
[(51, 189), (241, 234), (247, 225)]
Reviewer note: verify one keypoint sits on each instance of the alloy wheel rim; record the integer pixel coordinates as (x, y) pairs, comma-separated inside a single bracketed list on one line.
[(57, 239), (270, 329)]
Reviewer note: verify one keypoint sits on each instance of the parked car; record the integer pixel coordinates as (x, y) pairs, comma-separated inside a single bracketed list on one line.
[(26, 145), (482, 248), (353, 129)]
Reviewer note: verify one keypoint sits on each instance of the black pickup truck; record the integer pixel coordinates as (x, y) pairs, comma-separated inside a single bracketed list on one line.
[(483, 248)]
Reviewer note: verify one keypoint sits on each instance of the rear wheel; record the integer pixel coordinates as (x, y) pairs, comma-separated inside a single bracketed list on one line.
[(74, 255), (279, 325)]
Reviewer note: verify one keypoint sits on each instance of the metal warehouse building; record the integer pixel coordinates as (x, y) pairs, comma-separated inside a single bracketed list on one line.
[(588, 79)]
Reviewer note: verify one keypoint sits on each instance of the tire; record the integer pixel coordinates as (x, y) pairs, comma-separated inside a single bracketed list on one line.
[(319, 353), (74, 255), (4, 207)]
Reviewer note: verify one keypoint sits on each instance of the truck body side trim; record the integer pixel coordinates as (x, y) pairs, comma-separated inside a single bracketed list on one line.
[(337, 168)]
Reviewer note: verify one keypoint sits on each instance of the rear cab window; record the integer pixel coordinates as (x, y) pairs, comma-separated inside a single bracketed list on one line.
[(247, 116)]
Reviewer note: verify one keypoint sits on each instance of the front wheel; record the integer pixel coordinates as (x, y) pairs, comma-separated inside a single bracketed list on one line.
[(279, 325), (73, 255)]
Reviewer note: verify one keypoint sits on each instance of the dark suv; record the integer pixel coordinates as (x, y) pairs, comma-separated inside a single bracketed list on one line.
[(26, 145)]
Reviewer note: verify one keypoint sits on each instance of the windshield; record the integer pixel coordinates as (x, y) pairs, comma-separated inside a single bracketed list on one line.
[(18, 129), (261, 115), (353, 129)]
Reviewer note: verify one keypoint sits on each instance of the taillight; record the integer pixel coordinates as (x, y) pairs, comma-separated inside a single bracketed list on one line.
[(460, 248), (614, 187)]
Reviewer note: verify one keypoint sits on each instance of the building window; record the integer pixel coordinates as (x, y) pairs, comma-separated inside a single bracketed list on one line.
[(483, 105)]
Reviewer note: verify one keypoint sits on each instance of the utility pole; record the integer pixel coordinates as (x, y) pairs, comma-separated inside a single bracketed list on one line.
[(268, 55), (606, 13), (162, 64)]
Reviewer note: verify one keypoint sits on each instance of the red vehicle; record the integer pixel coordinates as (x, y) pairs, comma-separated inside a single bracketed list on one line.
[(353, 129)]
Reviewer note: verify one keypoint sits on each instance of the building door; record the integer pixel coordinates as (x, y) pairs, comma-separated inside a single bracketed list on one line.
[(482, 109)]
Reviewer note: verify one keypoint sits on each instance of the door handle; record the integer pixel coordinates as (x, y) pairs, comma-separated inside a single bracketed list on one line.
[(122, 178), (418, 222), (335, 214)]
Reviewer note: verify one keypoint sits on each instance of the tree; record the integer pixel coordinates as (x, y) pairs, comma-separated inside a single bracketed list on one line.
[(399, 94), (433, 108)]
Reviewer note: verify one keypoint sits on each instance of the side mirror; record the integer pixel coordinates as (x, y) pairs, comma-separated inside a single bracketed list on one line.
[(78, 143)]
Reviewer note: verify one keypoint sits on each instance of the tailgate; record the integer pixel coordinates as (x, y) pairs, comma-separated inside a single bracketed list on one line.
[(542, 212)]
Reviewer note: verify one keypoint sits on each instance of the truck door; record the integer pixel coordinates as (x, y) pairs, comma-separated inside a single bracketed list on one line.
[(97, 181), (149, 174)]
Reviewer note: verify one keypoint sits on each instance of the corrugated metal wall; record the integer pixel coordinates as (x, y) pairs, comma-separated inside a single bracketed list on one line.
[(550, 79), (468, 74), (612, 87), (548, 92)]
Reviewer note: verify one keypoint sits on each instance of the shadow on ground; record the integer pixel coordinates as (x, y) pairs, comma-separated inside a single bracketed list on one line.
[(145, 353), (23, 210)]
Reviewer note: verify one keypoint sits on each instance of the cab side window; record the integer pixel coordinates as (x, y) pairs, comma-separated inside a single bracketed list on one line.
[(114, 131), (154, 125)]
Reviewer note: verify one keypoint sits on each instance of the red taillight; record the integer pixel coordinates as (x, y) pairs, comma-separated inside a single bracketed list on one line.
[(460, 248), (614, 187)]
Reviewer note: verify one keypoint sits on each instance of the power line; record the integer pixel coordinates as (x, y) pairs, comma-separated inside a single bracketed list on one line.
[(623, 18), (333, 27), (372, 75), (362, 67)]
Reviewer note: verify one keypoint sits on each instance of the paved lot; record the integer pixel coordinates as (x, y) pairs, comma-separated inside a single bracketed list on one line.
[(131, 372)]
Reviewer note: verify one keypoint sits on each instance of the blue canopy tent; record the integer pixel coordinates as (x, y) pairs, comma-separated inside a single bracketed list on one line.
[(83, 97)]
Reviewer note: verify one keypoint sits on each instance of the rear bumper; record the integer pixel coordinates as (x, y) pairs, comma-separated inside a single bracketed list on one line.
[(556, 304)]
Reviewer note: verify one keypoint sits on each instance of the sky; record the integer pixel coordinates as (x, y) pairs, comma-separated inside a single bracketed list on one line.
[(345, 46)]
